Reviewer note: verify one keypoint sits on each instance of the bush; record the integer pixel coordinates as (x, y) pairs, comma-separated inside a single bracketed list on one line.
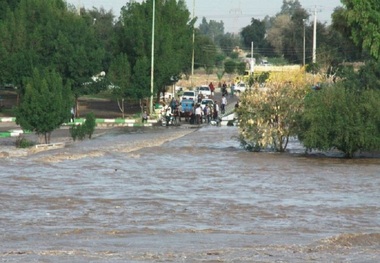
[(88, 128), (89, 124), (340, 118), (21, 142), (78, 132)]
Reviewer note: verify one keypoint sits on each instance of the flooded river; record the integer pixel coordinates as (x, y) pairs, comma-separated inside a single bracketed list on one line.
[(128, 197)]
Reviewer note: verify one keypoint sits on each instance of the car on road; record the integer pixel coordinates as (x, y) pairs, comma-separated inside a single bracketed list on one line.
[(190, 95), (240, 87), (204, 90)]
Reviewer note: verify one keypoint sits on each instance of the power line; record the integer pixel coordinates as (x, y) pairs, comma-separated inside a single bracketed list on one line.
[(236, 12)]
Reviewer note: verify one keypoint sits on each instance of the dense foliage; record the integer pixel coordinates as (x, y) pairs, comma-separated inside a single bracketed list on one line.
[(269, 116), (45, 34), (173, 39), (342, 118), (46, 104), (364, 19)]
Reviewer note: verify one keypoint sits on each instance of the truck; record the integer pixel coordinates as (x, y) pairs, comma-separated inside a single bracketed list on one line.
[(244, 78), (187, 107)]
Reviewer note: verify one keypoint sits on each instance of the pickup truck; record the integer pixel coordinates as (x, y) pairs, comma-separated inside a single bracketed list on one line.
[(190, 95)]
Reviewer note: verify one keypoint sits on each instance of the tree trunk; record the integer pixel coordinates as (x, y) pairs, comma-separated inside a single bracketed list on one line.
[(121, 106), (47, 136), (40, 138), (76, 107)]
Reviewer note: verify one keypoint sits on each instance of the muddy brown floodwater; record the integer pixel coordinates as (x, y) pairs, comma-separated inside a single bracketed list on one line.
[(179, 195)]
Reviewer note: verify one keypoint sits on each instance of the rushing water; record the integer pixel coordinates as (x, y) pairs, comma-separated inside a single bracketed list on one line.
[(125, 197)]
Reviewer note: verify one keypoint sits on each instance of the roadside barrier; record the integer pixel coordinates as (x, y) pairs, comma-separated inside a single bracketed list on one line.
[(99, 123), (8, 119)]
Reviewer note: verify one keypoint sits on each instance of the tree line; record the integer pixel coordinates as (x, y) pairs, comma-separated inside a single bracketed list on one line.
[(54, 53)]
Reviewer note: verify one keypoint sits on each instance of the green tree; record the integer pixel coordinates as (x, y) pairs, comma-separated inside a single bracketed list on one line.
[(256, 33), (241, 67), (48, 34), (286, 31), (339, 37), (268, 118), (275, 34), (363, 19), (290, 7), (103, 26), (173, 35), (6, 5), (141, 78), (342, 118), (46, 104), (120, 75), (228, 42), (213, 29), (205, 52), (230, 67)]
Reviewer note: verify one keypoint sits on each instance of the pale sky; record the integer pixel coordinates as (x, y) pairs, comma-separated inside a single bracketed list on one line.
[(234, 13)]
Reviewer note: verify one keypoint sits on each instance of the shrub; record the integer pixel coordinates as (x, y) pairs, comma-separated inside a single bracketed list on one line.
[(77, 132), (89, 124), (87, 128), (341, 118), (22, 142)]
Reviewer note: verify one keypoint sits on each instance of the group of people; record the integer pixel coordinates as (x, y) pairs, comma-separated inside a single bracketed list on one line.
[(224, 88), (207, 114), (172, 111)]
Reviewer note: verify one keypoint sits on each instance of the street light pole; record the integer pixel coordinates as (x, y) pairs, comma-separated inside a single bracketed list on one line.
[(152, 61), (192, 58), (304, 44), (315, 38)]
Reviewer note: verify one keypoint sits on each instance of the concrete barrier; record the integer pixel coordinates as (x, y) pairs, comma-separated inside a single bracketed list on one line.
[(50, 145)]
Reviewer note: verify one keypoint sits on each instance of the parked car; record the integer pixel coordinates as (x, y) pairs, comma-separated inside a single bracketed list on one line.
[(240, 87), (190, 95), (205, 102), (204, 90)]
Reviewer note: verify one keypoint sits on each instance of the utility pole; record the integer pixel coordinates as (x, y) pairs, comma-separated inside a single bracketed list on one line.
[(251, 66), (304, 43), (152, 61), (315, 37), (192, 58), (237, 13)]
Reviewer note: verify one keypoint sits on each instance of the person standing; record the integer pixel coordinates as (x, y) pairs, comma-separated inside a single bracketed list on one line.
[(223, 104), (179, 112), (216, 111), (173, 104), (198, 114), (144, 117), (72, 112), (168, 115), (212, 88), (224, 88)]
